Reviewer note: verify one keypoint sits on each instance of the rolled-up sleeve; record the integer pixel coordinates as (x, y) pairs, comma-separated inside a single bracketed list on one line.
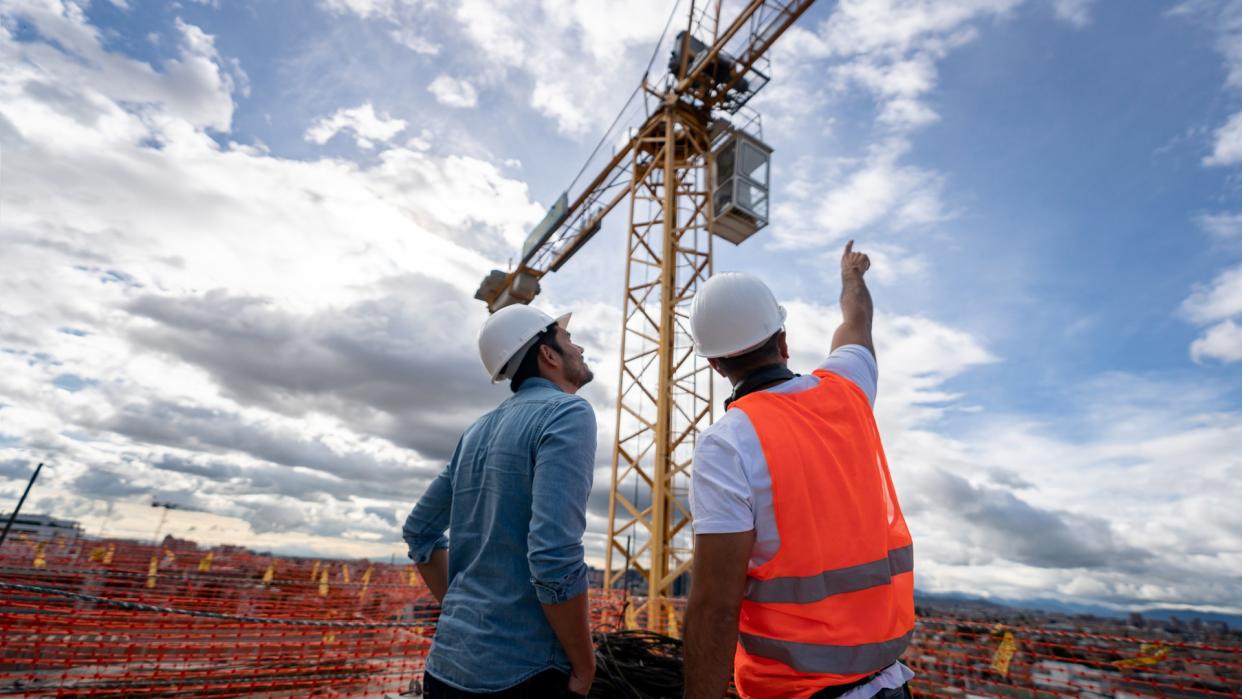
[(564, 471), (425, 526)]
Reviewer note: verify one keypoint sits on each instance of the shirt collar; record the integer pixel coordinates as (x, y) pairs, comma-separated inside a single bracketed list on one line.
[(539, 381)]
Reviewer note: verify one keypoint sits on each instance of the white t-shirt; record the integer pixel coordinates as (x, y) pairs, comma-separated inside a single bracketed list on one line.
[(730, 487)]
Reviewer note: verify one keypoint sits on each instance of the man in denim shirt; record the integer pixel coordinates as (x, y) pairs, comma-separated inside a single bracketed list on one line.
[(514, 618)]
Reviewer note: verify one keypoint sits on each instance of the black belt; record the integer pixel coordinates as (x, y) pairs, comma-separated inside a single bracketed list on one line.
[(837, 690)]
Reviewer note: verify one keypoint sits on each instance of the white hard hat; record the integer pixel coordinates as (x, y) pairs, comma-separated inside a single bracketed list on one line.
[(508, 333), (733, 313)]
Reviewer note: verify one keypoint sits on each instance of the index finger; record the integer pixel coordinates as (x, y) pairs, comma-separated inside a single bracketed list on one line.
[(849, 247)]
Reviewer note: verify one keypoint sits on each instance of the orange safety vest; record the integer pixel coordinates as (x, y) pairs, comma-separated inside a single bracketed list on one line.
[(836, 602)]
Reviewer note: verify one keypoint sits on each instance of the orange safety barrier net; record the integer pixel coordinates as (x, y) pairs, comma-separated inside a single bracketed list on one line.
[(120, 618), (956, 657)]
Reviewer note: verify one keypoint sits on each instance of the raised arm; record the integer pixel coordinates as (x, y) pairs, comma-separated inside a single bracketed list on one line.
[(856, 310)]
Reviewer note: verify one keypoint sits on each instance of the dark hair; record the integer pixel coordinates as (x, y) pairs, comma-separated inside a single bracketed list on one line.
[(529, 368), (764, 354)]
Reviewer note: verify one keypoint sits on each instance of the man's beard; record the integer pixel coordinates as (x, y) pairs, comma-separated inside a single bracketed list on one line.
[(582, 375)]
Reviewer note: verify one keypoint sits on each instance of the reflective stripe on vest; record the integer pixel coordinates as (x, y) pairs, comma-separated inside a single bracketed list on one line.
[(837, 660), (813, 588)]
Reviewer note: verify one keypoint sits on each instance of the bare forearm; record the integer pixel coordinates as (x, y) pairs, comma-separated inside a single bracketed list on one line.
[(435, 574), (711, 639), (856, 308), (571, 621)]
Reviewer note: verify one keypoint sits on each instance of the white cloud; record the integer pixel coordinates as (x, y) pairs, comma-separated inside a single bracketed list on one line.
[(898, 84), (1222, 342), (366, 125), (1223, 226), (1219, 300), (363, 8), (452, 92), (918, 355), (406, 18), (103, 86), (1136, 441), (1224, 19), (582, 63), (1076, 12), (1227, 146), (828, 202), (890, 263), (135, 244), (899, 26), (413, 40), (888, 50)]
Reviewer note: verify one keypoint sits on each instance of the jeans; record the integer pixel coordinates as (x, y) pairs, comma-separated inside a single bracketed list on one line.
[(549, 684)]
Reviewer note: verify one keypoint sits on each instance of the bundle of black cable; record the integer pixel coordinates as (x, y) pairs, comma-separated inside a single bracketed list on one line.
[(637, 665)]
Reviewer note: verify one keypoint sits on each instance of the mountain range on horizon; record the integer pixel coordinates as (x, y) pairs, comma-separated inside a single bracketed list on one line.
[(1044, 604)]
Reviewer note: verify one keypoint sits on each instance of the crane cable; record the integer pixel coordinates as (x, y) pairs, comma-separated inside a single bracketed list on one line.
[(625, 107)]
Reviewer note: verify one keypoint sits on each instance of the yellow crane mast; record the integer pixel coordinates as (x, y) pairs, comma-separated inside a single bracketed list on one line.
[(693, 168)]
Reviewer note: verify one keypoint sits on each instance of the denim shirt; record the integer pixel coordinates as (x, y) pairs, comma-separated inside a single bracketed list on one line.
[(513, 498)]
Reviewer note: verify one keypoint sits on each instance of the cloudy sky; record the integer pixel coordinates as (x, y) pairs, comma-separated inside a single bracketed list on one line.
[(240, 241)]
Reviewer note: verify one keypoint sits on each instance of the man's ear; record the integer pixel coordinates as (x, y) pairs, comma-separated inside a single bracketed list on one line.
[(782, 345), (549, 355)]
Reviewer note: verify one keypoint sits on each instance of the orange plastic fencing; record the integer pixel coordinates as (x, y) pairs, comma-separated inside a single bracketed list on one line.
[(957, 657), (120, 618)]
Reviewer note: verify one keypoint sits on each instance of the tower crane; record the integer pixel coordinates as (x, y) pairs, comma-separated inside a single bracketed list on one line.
[(690, 166)]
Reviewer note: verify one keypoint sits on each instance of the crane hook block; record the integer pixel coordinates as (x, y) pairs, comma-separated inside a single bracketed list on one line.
[(500, 289)]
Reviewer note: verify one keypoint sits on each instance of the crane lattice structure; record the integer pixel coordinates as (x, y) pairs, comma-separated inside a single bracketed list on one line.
[(693, 169)]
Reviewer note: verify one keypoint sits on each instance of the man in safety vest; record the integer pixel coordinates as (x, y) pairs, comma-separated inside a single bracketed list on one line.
[(803, 565), (512, 583)]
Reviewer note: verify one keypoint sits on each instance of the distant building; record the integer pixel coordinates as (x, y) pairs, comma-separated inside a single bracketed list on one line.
[(43, 527), (172, 543)]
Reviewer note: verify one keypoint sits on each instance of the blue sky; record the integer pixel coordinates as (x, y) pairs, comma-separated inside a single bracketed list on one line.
[(241, 240)]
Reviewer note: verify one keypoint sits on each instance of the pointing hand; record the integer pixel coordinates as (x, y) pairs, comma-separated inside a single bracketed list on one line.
[(854, 262)]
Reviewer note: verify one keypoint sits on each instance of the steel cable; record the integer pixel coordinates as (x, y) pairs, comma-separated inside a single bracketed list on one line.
[(638, 665)]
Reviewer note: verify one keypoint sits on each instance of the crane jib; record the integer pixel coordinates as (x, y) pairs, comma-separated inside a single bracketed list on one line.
[(544, 230)]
